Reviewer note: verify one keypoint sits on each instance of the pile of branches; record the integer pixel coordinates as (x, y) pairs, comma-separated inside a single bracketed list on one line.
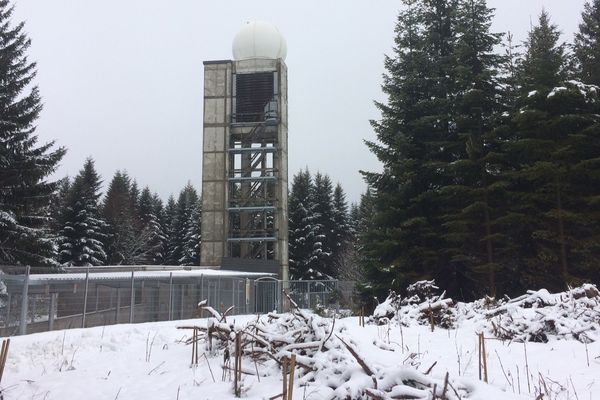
[(327, 359), (422, 305), (539, 315)]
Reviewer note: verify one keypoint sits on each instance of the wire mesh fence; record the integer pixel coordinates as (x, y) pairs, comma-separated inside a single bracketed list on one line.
[(32, 303)]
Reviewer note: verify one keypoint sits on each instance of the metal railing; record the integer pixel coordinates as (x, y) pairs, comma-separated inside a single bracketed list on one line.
[(36, 303)]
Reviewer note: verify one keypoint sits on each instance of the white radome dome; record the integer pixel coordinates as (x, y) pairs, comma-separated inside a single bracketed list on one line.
[(259, 39)]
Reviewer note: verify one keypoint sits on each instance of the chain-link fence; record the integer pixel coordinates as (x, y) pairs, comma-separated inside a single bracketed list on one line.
[(40, 302)]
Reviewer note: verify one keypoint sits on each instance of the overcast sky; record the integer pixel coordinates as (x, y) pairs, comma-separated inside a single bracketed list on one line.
[(121, 80)]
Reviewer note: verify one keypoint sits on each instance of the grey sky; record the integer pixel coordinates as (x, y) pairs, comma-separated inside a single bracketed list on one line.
[(122, 80)]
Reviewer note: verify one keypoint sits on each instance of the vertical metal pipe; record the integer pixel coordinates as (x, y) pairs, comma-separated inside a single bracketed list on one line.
[(85, 296), (24, 304), (52, 311), (132, 298), (117, 320), (97, 294), (181, 300), (209, 302), (33, 307), (201, 287), (169, 314), (233, 290), (255, 298)]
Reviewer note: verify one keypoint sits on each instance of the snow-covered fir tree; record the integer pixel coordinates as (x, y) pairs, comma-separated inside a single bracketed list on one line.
[(554, 157), (302, 229), (169, 217), (83, 232), (342, 235), (150, 229), (123, 245), (186, 202), (25, 164), (191, 244), (319, 231)]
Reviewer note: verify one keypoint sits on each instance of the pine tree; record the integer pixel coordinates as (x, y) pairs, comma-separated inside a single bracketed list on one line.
[(191, 240), (324, 225), (587, 44), (159, 211), (83, 234), (544, 65), (556, 118), (134, 198), (168, 223), (58, 204), (150, 230), (470, 202), (342, 235), (188, 199), (367, 268), (303, 231), (417, 140), (123, 245), (25, 165)]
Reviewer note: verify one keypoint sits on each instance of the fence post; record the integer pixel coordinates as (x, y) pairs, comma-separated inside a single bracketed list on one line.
[(169, 314), (247, 296), (218, 304), (118, 310), (52, 311), (234, 288), (132, 298), (24, 304), (255, 295), (181, 300), (201, 287), (85, 296)]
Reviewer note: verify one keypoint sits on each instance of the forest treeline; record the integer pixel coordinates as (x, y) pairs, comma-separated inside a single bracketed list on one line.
[(491, 155), (490, 179), (128, 226)]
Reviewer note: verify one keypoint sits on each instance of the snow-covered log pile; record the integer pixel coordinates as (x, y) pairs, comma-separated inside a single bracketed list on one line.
[(422, 305), (537, 316), (326, 358), (540, 316)]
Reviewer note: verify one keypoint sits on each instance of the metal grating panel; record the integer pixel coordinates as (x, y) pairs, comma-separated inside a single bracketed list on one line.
[(254, 92)]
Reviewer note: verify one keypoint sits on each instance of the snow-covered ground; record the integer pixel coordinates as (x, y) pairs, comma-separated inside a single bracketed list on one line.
[(150, 361)]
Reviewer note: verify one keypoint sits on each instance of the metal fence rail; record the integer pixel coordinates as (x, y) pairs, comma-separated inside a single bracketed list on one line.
[(29, 304)]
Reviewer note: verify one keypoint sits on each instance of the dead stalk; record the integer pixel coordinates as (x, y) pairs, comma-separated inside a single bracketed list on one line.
[(527, 367)]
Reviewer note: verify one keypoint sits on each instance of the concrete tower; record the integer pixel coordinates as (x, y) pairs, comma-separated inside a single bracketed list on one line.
[(245, 156)]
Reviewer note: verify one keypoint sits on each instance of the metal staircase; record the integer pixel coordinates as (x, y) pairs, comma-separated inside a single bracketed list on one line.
[(251, 191)]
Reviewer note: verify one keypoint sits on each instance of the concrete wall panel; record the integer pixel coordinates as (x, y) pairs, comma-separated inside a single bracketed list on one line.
[(214, 139)]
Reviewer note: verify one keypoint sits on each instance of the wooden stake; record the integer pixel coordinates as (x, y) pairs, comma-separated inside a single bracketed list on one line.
[(291, 380), (197, 339), (284, 364), (445, 385), (237, 373), (239, 346), (3, 356), (193, 344), (527, 367), (484, 357), (479, 353)]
